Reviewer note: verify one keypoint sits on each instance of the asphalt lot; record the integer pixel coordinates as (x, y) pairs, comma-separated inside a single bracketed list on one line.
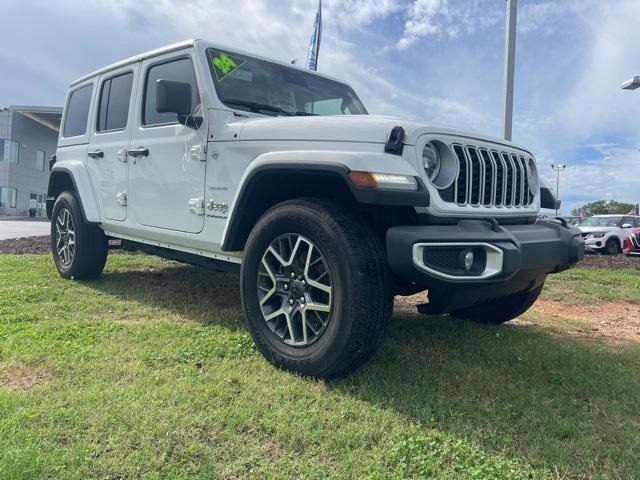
[(23, 228)]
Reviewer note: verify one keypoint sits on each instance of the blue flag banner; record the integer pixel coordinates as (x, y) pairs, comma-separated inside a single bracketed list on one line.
[(316, 37)]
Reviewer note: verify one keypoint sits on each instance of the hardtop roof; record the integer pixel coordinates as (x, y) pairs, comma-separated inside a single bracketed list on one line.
[(183, 45)]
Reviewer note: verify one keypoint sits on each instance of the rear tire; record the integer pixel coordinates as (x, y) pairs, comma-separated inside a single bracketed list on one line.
[(79, 249), (500, 310), (332, 267)]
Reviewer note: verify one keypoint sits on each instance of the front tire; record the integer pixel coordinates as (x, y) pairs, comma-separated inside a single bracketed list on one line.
[(501, 310), (612, 247), (315, 288), (79, 249)]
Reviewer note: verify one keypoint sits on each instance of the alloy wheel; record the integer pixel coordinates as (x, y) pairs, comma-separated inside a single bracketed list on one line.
[(295, 290), (65, 237)]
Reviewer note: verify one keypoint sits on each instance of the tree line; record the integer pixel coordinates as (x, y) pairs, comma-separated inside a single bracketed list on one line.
[(605, 207)]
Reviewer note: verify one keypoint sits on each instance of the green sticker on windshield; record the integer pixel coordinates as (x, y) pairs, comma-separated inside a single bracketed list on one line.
[(224, 64)]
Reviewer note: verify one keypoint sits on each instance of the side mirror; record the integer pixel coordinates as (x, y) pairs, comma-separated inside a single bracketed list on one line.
[(627, 225), (175, 97)]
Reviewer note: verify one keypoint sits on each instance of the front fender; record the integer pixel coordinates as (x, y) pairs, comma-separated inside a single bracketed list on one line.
[(335, 165), (76, 172), (353, 161)]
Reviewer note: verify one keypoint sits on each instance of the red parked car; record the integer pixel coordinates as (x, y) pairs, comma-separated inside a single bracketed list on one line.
[(632, 243)]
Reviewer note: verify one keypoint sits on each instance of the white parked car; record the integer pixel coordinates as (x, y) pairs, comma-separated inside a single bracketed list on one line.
[(607, 233), (227, 160)]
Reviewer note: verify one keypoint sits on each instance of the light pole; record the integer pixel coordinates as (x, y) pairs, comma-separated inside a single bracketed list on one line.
[(509, 67), (631, 84), (558, 168)]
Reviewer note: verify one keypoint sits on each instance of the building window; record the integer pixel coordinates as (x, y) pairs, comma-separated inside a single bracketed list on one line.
[(9, 151), (77, 114), (8, 197), (40, 160)]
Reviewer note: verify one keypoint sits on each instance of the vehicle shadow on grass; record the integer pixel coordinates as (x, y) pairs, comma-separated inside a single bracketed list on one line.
[(198, 295), (519, 390), (551, 400)]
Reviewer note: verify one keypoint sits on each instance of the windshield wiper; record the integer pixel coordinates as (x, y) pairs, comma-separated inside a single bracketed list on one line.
[(257, 107)]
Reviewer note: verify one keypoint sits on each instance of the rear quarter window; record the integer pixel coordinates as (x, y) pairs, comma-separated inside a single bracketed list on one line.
[(77, 114)]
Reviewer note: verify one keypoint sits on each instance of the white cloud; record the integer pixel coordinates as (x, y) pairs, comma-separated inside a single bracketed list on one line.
[(445, 19)]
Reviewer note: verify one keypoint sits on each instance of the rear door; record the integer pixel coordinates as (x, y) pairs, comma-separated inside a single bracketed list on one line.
[(167, 164), (111, 133)]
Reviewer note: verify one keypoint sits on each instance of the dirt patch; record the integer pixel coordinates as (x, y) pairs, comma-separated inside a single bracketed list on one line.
[(23, 246), (615, 321), (37, 245), (612, 262), (24, 378)]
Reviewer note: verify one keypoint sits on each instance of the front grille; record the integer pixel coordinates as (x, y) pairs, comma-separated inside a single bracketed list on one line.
[(490, 179)]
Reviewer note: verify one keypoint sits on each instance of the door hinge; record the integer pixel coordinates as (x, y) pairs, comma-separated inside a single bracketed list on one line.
[(199, 152), (121, 198), (122, 155), (196, 205)]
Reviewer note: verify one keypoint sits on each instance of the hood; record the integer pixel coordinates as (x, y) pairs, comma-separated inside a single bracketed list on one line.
[(343, 128), (597, 229)]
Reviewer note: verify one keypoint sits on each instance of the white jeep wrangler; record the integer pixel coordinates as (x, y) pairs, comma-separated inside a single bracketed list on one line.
[(229, 161)]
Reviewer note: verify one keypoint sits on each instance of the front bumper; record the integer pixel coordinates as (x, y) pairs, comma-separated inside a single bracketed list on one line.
[(519, 257), (595, 244)]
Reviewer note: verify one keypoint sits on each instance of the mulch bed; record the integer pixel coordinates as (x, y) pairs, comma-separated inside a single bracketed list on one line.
[(22, 246), (32, 245), (592, 260)]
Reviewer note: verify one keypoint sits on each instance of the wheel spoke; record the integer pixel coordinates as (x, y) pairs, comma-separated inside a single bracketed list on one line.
[(319, 307), (270, 292), (305, 334), (275, 314)]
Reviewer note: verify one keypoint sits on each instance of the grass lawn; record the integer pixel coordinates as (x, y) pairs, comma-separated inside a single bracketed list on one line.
[(150, 373)]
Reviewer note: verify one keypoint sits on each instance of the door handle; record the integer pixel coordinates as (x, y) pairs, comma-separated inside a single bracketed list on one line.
[(138, 152), (96, 154)]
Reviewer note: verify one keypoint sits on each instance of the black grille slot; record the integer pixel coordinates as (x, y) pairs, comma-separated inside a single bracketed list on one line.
[(461, 181), (518, 179), (527, 191), (499, 178), (488, 178), (509, 179), (475, 173)]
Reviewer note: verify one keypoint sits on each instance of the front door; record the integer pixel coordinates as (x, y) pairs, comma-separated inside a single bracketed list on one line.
[(110, 135), (167, 161)]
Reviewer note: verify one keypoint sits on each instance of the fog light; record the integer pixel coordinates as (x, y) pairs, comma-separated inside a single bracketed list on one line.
[(468, 258)]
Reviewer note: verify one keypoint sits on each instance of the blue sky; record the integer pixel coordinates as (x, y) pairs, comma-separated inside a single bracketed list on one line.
[(436, 61)]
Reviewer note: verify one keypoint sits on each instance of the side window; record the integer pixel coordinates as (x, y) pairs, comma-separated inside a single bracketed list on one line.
[(9, 151), (177, 71), (627, 220), (115, 97), (637, 222), (8, 197), (40, 160), (77, 114)]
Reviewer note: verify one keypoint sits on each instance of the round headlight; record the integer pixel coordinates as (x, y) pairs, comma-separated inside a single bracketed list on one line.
[(431, 160)]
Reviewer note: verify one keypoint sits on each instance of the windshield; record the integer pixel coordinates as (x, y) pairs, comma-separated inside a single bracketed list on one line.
[(249, 84), (602, 222)]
